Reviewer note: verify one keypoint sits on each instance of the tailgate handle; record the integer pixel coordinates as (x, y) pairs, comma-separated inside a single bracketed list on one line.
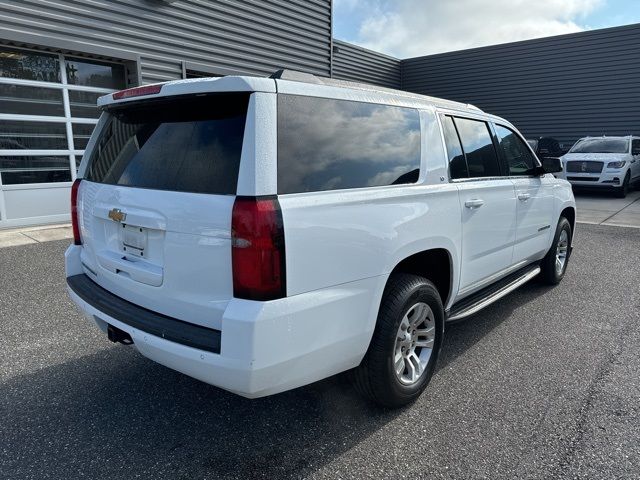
[(139, 270)]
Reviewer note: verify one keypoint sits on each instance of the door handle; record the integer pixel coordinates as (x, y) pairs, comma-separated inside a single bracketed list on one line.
[(474, 203), (524, 197)]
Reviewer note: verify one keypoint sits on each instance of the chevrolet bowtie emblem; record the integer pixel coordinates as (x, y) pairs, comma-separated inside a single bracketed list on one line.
[(117, 215)]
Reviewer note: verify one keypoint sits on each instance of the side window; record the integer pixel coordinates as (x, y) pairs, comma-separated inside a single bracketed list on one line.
[(457, 162), (326, 144), (635, 147), (477, 144), (516, 154)]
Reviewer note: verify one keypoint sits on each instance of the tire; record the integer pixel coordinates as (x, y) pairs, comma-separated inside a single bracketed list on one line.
[(622, 191), (551, 273), (403, 303)]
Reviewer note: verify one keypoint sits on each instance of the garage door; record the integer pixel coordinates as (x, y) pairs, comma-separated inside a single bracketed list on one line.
[(47, 113)]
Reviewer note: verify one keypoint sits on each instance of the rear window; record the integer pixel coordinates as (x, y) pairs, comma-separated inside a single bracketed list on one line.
[(181, 144), (326, 144), (601, 145)]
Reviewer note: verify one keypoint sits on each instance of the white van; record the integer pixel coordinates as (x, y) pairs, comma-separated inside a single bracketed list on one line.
[(260, 234)]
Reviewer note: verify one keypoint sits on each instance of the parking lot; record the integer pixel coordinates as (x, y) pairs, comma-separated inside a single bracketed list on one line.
[(543, 384)]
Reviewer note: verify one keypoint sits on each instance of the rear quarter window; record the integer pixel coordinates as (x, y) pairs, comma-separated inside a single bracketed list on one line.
[(188, 144), (326, 144)]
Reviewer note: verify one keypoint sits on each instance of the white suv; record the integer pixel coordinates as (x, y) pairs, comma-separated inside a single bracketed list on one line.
[(604, 162), (260, 234)]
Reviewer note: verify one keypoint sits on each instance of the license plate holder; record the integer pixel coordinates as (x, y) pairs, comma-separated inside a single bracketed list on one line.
[(134, 239)]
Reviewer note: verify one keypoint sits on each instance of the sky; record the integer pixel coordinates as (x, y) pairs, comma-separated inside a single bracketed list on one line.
[(410, 28)]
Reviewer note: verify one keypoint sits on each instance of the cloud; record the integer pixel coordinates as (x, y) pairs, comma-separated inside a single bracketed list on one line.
[(408, 28)]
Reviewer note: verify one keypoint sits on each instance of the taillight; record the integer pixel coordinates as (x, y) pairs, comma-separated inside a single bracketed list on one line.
[(74, 212), (137, 92), (257, 251)]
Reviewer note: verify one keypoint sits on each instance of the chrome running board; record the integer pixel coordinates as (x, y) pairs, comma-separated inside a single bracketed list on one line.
[(467, 308)]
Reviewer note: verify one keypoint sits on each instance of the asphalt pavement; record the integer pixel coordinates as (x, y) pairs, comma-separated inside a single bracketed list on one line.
[(543, 384)]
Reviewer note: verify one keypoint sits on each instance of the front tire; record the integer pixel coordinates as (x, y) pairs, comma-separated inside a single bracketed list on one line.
[(623, 190), (406, 342), (554, 264)]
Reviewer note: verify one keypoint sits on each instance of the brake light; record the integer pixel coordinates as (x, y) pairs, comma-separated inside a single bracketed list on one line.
[(74, 212), (257, 249), (137, 92)]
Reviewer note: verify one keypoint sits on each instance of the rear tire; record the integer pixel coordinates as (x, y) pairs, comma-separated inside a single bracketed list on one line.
[(406, 342), (554, 264)]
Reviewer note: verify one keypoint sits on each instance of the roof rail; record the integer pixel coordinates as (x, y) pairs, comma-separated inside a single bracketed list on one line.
[(294, 76)]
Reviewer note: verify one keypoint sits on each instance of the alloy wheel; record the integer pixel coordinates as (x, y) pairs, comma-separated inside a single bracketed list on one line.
[(561, 252), (414, 343)]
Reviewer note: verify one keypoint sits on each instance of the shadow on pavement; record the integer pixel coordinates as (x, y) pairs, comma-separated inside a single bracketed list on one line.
[(117, 414), (461, 336)]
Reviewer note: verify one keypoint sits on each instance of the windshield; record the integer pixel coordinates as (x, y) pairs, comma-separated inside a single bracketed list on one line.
[(601, 145), (179, 144)]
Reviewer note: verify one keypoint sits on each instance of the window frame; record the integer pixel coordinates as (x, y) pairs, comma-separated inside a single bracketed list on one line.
[(71, 152), (503, 160), (442, 118), (109, 116), (489, 124)]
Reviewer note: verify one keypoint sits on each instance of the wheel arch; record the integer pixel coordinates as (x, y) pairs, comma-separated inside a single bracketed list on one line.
[(434, 264), (570, 214)]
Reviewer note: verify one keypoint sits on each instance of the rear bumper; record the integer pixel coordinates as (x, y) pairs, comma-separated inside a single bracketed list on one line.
[(139, 318), (265, 347)]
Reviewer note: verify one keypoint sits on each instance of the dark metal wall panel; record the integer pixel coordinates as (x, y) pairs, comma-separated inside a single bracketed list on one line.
[(244, 36), (567, 86), (358, 64)]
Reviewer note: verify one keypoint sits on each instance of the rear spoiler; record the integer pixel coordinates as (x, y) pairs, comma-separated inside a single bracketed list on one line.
[(190, 86)]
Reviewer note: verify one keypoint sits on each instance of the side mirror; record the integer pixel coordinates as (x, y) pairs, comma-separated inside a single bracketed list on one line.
[(551, 165)]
